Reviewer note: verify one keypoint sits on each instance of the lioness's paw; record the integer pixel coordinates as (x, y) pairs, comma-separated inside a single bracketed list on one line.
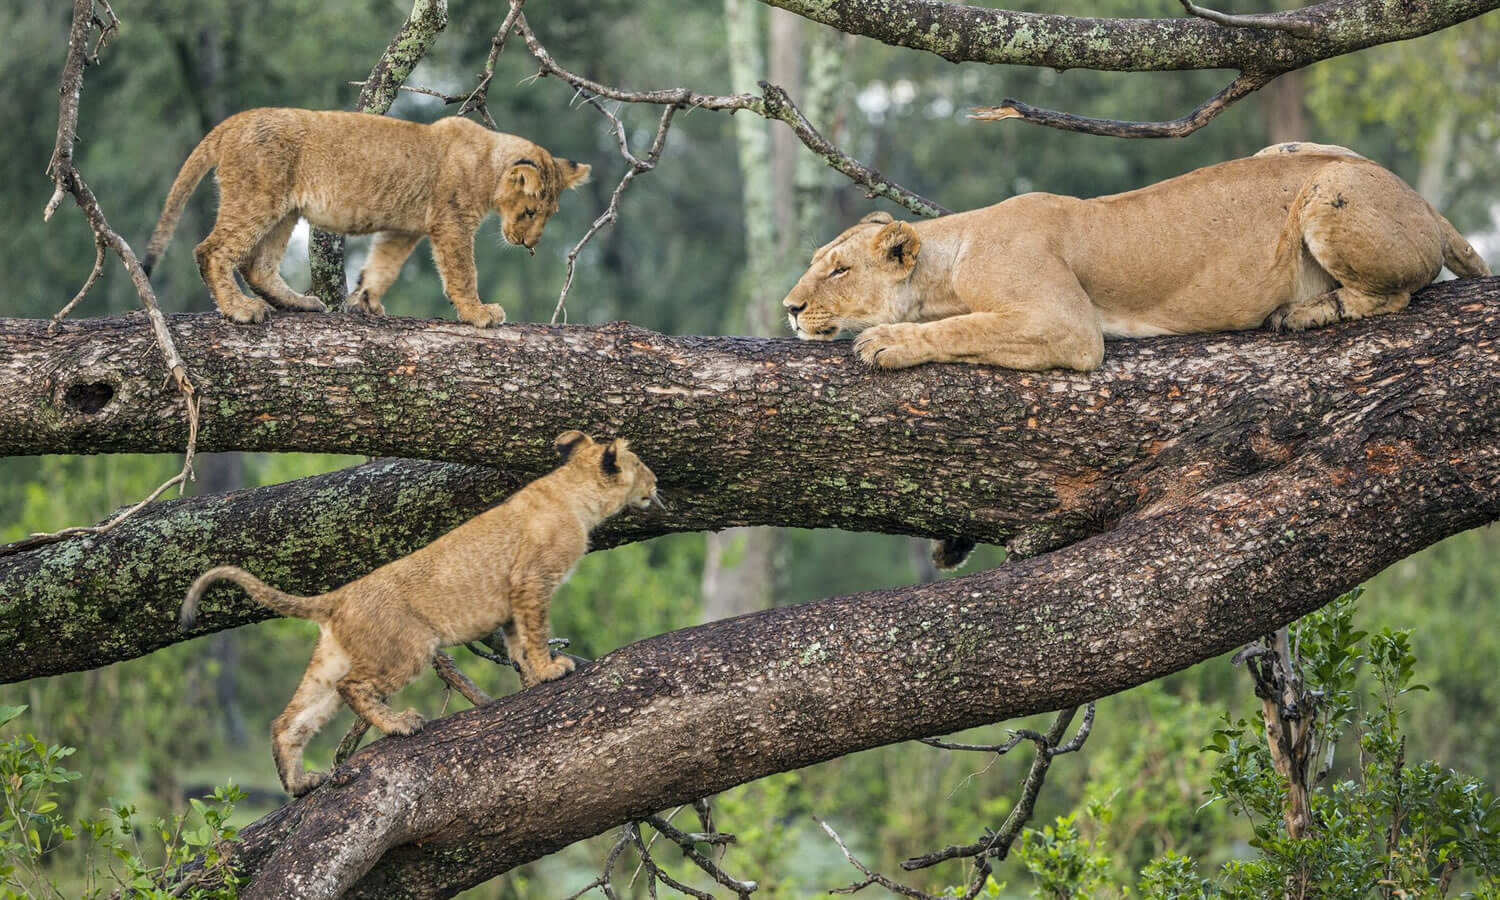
[(409, 722), (483, 315), (889, 346)]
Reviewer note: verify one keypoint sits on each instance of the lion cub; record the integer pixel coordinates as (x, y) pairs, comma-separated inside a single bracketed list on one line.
[(360, 174), (496, 571)]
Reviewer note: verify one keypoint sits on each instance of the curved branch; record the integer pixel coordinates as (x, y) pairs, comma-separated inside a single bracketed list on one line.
[(961, 33), (1030, 460)]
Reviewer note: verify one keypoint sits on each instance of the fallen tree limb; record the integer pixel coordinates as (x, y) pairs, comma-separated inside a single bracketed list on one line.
[(1034, 461)]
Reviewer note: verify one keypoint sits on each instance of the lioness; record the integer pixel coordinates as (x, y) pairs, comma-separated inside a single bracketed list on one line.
[(1297, 236), (360, 174), (496, 571)]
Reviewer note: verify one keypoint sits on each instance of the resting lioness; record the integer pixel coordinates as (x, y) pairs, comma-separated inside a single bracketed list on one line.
[(497, 570), (360, 174), (1297, 236)]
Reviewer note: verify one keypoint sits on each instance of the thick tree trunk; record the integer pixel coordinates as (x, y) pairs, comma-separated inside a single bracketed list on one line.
[(1031, 460)]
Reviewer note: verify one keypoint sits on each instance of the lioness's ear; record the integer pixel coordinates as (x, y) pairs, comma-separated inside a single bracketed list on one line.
[(898, 243), (574, 174), (879, 217), (524, 176), (569, 441), (610, 461)]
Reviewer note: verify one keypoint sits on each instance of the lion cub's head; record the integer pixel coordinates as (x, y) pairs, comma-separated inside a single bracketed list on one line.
[(611, 469), (526, 195), (855, 280)]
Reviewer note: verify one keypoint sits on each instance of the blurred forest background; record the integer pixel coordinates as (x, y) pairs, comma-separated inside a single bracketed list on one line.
[(156, 730)]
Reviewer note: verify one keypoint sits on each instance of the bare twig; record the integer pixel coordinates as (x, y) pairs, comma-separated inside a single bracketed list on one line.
[(612, 211), (67, 180), (688, 843), (1292, 22), (1242, 86), (775, 104)]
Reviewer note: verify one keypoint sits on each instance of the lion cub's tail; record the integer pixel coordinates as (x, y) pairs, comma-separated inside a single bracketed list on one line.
[(1460, 258), (204, 157), (315, 608)]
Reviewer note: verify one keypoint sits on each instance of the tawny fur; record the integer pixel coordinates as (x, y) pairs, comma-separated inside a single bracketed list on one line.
[(360, 174), (1297, 236), (497, 571)]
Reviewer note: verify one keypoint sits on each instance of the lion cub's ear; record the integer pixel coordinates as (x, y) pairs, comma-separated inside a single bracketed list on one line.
[(897, 243), (524, 176), (878, 217), (569, 441), (574, 174), (610, 461)]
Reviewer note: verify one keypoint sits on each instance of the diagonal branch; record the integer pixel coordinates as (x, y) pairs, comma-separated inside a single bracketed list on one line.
[(1241, 87), (1290, 22)]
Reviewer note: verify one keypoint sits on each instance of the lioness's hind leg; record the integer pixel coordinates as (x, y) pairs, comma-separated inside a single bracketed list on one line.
[(388, 252), (1377, 237), (262, 270), (1339, 305)]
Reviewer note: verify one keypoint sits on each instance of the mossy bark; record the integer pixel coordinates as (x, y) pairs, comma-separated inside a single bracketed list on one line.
[(741, 432), (961, 33)]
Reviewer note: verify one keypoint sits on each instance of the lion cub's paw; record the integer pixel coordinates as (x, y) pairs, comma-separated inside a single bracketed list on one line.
[(306, 784), (483, 315), (553, 669), (249, 311), (889, 346), (362, 303), (303, 303), (409, 722)]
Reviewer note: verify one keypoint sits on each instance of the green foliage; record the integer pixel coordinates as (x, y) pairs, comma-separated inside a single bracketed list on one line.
[(1391, 829), (34, 835)]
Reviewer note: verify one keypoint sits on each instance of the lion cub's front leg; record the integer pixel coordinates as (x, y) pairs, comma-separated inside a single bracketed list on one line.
[(453, 251), (526, 638)]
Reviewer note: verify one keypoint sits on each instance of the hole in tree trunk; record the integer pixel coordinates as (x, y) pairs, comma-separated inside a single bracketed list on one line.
[(90, 397)]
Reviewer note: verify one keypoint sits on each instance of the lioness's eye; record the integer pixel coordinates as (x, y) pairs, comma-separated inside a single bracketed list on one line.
[(838, 271)]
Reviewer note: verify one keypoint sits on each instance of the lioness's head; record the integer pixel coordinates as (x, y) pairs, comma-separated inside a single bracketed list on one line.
[(855, 280), (611, 468), (526, 196)]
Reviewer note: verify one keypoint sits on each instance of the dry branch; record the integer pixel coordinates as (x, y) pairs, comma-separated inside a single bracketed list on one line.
[(68, 180)]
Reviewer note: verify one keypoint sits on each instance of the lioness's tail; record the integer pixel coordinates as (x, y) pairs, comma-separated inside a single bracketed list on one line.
[(1458, 256), (315, 608), (204, 157)]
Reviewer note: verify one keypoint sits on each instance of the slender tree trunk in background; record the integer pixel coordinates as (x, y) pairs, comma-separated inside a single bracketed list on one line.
[(1286, 119), (218, 474), (1434, 179), (325, 250)]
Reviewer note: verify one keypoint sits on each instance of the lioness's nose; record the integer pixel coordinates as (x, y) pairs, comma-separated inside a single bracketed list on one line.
[(792, 306)]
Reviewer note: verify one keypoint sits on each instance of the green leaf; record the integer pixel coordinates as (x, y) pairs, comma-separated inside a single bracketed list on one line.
[(10, 712)]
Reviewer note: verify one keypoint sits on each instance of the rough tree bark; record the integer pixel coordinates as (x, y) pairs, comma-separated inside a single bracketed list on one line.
[(961, 33), (1331, 456), (1030, 460)]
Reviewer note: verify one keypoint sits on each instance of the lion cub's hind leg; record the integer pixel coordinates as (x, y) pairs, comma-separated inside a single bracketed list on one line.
[(314, 703), (1377, 237), (385, 665), (262, 270)]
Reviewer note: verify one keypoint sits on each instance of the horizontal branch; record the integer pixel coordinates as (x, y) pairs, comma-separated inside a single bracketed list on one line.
[(741, 431), (1408, 454), (961, 33)]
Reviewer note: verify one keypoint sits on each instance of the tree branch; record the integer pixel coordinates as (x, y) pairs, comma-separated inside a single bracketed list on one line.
[(960, 33), (1030, 460), (647, 727), (1241, 87)]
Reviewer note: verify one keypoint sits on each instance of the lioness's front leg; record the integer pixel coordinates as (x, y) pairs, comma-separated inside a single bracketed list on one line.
[(453, 250), (1028, 339)]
